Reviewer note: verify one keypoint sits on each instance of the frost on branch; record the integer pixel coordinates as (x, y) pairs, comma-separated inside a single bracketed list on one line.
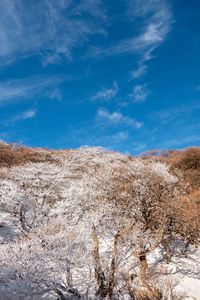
[(89, 220)]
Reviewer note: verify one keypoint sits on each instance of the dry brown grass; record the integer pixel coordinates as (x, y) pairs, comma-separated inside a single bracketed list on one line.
[(11, 154), (189, 164), (148, 293), (187, 214)]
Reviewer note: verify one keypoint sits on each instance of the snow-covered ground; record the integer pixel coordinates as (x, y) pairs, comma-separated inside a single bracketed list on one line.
[(182, 273)]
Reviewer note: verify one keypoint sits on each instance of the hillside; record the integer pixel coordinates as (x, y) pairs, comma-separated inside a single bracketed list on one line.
[(96, 224)]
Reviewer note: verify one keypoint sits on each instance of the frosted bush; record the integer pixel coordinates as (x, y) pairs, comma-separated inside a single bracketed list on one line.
[(10, 196), (161, 169)]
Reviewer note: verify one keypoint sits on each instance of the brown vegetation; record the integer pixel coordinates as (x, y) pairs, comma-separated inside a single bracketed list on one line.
[(12, 154), (187, 161), (183, 214)]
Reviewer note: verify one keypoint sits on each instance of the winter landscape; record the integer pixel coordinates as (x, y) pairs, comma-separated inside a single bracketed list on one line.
[(99, 150), (94, 224)]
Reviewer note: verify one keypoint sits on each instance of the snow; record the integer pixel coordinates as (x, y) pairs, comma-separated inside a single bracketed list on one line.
[(183, 272)]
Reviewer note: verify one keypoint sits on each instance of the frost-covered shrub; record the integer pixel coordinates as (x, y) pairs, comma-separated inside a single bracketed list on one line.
[(10, 196)]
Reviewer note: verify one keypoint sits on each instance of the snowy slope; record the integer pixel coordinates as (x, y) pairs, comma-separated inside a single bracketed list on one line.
[(50, 207)]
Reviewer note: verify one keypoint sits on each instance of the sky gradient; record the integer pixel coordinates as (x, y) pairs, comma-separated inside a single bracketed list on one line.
[(121, 74)]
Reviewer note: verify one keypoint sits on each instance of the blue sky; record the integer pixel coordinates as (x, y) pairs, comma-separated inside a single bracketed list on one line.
[(122, 74)]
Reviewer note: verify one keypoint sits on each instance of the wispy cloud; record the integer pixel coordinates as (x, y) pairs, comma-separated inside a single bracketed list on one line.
[(18, 89), (168, 114), (139, 72), (177, 126), (183, 141), (157, 17), (120, 136), (158, 20), (107, 94), (25, 115), (116, 118), (140, 93), (55, 94), (142, 64), (49, 28), (93, 7), (109, 140)]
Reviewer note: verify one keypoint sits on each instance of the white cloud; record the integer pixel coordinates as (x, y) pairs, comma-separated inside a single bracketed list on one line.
[(109, 140), (120, 136), (18, 89), (171, 113), (107, 94), (142, 64), (158, 20), (139, 72), (28, 114), (50, 28), (157, 17), (25, 115), (55, 94), (116, 118), (140, 93)]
